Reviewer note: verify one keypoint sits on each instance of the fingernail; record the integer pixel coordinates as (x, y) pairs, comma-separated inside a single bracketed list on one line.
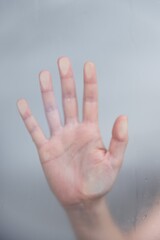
[(89, 69), (123, 126), (64, 65), (22, 106), (45, 79)]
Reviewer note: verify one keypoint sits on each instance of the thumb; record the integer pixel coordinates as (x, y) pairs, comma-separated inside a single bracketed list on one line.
[(119, 140)]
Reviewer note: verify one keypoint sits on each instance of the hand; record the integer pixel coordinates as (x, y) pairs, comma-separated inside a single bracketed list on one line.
[(75, 161)]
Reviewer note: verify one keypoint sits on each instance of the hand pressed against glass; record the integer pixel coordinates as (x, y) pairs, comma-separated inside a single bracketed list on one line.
[(75, 161)]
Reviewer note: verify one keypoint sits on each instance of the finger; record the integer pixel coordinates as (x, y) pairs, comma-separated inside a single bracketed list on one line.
[(69, 98), (30, 123), (49, 102), (90, 98), (119, 140)]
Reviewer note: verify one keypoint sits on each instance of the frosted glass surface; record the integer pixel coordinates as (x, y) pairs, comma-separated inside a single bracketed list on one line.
[(123, 39)]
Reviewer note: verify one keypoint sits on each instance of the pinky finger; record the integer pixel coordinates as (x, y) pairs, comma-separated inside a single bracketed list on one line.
[(31, 123)]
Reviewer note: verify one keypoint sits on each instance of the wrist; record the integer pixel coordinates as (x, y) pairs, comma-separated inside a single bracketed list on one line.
[(92, 220), (88, 219), (87, 207)]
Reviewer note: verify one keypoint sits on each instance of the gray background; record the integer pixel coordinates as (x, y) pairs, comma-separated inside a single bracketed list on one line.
[(122, 37)]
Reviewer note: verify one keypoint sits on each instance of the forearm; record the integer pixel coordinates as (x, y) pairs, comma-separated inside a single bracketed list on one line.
[(93, 221)]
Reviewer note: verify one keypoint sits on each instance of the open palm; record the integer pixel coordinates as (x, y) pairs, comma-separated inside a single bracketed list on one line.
[(75, 161)]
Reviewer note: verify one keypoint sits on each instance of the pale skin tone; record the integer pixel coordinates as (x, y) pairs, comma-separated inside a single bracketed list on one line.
[(79, 169)]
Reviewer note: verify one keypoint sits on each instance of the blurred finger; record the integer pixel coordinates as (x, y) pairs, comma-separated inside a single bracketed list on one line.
[(49, 102), (90, 99), (69, 98), (31, 123)]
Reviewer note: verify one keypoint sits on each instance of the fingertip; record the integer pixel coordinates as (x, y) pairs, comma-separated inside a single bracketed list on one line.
[(42, 72), (124, 117), (61, 58), (120, 129), (44, 78), (22, 105), (17, 102), (64, 65), (23, 108), (88, 69), (89, 62), (21, 101)]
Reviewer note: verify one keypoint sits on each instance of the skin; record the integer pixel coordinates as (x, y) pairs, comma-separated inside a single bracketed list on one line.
[(79, 169)]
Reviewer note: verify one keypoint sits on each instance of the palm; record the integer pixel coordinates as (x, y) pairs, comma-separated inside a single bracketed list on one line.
[(78, 161), (75, 161)]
